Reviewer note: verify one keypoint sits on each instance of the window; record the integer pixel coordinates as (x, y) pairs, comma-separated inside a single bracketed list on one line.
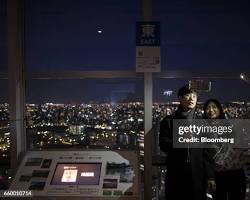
[(91, 113), (4, 134), (203, 34), (80, 35), (3, 36)]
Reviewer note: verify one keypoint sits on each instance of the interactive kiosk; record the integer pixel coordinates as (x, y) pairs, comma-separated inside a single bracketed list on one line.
[(79, 175)]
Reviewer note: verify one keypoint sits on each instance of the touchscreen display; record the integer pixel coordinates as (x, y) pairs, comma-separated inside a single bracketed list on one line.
[(77, 174)]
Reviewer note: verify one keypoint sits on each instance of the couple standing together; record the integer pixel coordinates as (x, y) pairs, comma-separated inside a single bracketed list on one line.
[(193, 171)]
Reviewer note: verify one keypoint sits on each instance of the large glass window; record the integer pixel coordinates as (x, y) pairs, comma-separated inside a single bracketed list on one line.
[(3, 36), (4, 124), (4, 135), (80, 35), (204, 34), (92, 113)]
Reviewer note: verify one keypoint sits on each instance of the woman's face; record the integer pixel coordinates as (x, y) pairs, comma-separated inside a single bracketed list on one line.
[(212, 111)]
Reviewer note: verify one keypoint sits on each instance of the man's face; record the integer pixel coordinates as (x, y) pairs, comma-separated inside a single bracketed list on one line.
[(188, 101)]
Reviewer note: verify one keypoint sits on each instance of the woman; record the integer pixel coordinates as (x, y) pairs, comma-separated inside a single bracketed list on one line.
[(229, 174)]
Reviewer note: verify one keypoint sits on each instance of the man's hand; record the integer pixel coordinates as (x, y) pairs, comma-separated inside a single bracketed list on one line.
[(211, 186)]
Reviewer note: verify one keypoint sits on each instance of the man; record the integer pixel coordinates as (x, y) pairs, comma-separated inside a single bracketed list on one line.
[(189, 170)]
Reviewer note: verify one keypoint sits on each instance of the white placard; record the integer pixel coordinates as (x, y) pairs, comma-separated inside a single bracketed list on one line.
[(148, 59)]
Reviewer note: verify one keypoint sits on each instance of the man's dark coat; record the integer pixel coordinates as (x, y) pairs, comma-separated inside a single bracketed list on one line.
[(188, 169)]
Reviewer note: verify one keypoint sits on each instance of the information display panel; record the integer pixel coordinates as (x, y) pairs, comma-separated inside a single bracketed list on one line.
[(94, 175), (77, 174)]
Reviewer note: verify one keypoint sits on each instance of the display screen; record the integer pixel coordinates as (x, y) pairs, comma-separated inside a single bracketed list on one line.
[(77, 174)]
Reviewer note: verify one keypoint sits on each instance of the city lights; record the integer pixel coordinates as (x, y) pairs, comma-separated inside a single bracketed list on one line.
[(89, 125)]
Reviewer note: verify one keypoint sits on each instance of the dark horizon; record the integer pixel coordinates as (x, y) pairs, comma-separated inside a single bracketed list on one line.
[(79, 91)]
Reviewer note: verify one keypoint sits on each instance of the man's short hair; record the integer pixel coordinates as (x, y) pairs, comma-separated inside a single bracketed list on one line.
[(185, 90)]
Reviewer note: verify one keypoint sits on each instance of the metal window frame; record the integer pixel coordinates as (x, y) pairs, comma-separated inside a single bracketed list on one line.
[(168, 74)]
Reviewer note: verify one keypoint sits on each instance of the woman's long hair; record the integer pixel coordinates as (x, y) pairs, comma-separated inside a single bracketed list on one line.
[(218, 104)]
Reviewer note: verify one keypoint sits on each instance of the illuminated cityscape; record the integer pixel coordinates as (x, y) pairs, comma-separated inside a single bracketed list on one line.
[(92, 125)]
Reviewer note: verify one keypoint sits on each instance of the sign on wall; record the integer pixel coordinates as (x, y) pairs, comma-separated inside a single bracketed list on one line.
[(148, 47)]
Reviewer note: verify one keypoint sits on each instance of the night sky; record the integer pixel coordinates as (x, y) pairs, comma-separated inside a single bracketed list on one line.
[(63, 35)]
